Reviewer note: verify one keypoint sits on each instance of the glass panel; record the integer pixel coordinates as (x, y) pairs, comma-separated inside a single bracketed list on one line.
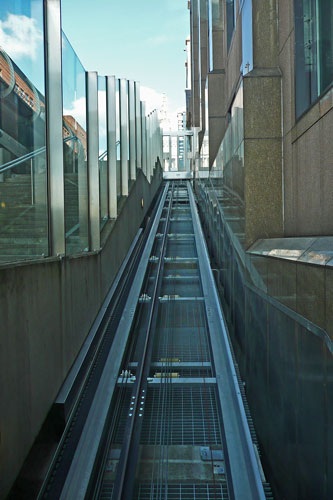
[(227, 173), (313, 50), (23, 179), (230, 20), (326, 43), (118, 139), (103, 176), (75, 150)]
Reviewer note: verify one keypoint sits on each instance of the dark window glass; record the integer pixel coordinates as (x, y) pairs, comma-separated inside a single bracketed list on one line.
[(230, 20), (313, 51), (326, 43)]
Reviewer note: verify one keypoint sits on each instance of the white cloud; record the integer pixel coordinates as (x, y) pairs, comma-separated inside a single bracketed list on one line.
[(151, 97), (20, 37), (102, 119), (78, 111)]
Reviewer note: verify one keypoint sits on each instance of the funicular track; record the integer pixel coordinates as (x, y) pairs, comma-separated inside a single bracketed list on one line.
[(168, 420)]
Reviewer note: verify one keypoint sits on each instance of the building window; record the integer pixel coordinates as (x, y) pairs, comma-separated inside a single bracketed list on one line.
[(313, 50), (230, 20)]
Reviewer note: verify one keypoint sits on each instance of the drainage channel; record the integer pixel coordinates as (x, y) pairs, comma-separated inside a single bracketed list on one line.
[(168, 418)]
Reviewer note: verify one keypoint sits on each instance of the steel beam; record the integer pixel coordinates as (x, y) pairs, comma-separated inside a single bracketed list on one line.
[(132, 135), (54, 138), (93, 166), (138, 125), (123, 106), (111, 144)]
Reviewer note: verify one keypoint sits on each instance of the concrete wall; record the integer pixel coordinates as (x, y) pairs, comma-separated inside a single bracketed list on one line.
[(46, 310), (307, 147)]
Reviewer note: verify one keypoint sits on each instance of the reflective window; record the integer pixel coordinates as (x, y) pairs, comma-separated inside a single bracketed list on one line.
[(23, 179), (231, 20), (313, 51), (75, 150)]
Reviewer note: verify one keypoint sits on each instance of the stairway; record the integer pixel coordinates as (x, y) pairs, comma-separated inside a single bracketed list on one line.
[(24, 226)]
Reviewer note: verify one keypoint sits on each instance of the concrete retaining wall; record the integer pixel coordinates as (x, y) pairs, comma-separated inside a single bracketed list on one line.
[(46, 310)]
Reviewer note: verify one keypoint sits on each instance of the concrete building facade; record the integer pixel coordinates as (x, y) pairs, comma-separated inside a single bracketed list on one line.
[(261, 107)]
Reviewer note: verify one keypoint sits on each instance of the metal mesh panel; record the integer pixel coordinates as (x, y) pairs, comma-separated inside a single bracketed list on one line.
[(181, 226), (183, 288), (185, 344), (203, 491), (181, 248), (181, 269), (190, 412)]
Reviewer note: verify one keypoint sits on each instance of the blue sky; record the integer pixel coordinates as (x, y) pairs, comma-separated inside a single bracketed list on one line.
[(135, 39)]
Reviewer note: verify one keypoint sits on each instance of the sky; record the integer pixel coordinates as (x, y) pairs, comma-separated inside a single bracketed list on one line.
[(141, 40)]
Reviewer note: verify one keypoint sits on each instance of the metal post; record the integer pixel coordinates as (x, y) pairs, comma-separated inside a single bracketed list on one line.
[(123, 135), (93, 170), (138, 125), (144, 138), (111, 144), (149, 151), (131, 118), (54, 139)]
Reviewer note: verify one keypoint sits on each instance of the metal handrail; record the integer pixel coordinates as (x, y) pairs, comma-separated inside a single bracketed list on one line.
[(37, 152), (103, 155), (29, 156)]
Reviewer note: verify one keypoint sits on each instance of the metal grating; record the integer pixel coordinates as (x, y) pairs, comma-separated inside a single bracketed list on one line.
[(184, 343), (179, 248), (181, 226), (191, 414), (183, 288), (199, 491)]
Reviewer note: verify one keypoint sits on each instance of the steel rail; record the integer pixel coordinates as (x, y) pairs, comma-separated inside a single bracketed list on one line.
[(124, 483), (245, 479), (78, 480)]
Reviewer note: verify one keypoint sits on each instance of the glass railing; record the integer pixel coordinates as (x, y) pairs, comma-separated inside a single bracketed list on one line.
[(103, 153), (38, 189), (227, 173), (23, 178), (75, 151), (279, 319)]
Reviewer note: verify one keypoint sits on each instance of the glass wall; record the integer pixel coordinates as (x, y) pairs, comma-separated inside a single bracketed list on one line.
[(75, 150), (227, 173), (23, 180), (103, 157), (25, 174), (313, 50)]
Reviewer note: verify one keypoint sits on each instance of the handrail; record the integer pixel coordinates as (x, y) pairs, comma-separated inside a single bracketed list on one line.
[(103, 155), (29, 156), (37, 152)]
